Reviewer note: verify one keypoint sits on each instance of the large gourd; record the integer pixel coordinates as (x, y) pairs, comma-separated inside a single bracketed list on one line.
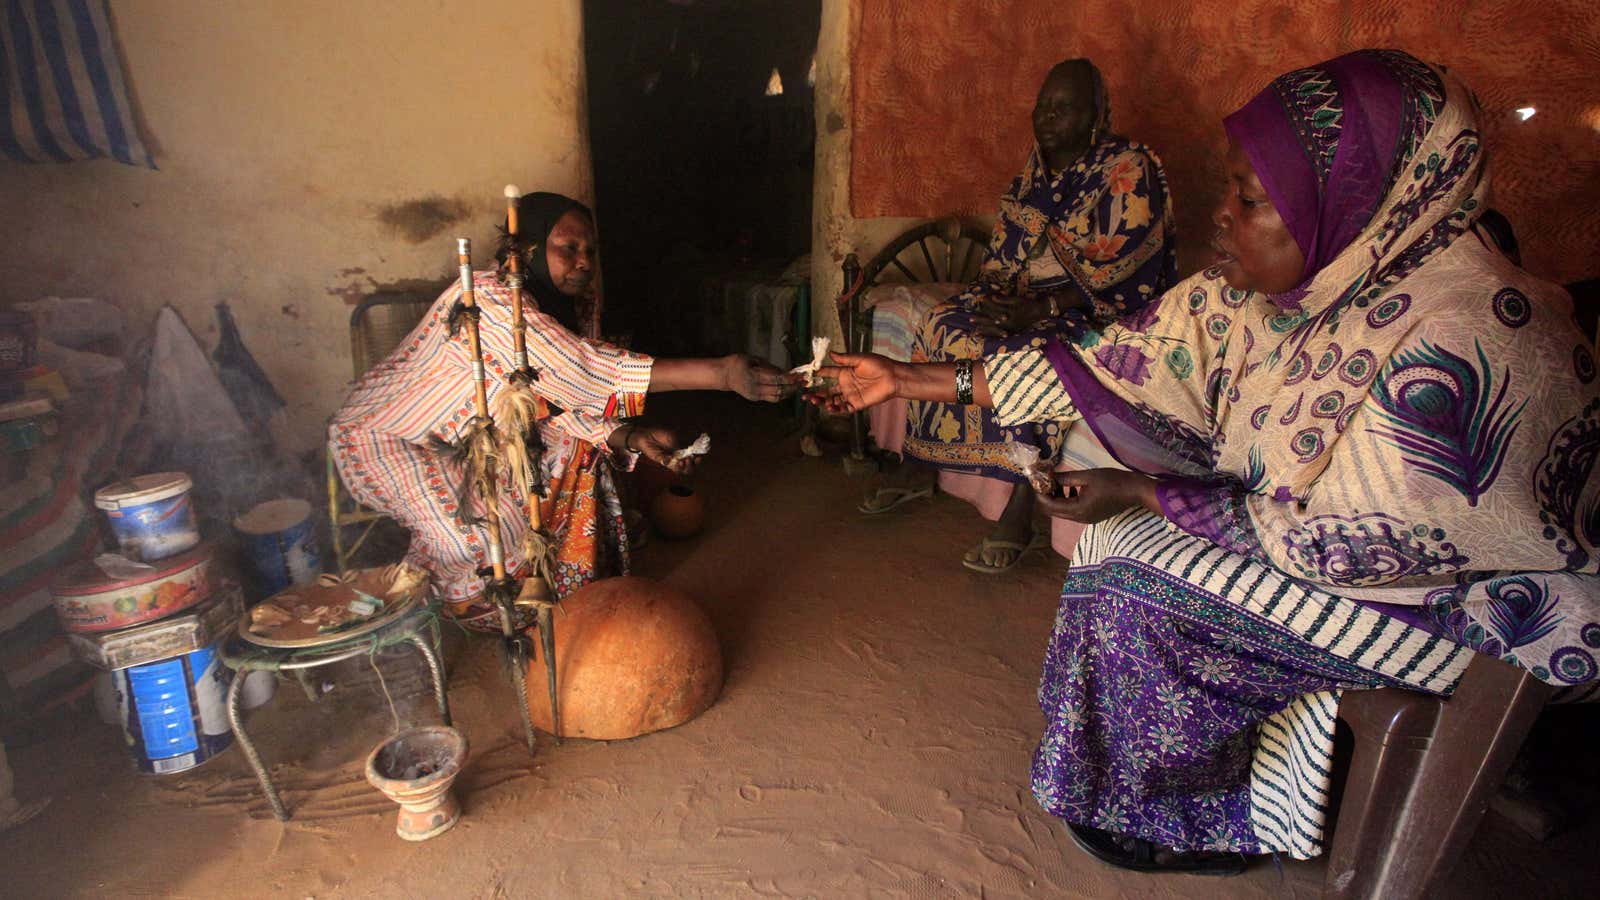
[(633, 656)]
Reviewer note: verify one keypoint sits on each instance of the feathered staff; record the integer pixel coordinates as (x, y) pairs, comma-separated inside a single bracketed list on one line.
[(480, 449), (519, 408)]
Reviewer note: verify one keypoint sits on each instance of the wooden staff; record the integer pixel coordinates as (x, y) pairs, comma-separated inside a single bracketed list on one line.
[(484, 426), (483, 462), (537, 548), (514, 266)]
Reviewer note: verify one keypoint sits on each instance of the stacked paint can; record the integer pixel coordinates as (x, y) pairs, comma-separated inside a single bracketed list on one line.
[(280, 546), (155, 619), (174, 712), (151, 515), (159, 637)]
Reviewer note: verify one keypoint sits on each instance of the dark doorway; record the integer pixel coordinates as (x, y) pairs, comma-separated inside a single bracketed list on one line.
[(703, 172)]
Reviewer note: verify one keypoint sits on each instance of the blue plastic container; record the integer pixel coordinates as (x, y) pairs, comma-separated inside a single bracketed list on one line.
[(151, 515), (280, 546), (174, 712)]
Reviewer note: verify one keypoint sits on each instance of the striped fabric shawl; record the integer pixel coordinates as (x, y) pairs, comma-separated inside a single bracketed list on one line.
[(63, 94)]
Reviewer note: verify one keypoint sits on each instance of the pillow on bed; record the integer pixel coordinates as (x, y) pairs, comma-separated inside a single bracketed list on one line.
[(897, 314)]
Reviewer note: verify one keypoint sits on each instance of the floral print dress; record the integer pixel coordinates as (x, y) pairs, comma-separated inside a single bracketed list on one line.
[(1100, 236)]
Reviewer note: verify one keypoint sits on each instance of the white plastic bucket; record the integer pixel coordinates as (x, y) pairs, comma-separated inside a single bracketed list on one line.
[(151, 514)]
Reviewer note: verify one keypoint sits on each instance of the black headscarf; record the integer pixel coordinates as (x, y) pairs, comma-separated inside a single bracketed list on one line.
[(537, 214)]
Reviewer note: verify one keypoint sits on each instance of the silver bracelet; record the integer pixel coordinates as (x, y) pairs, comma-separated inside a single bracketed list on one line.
[(964, 382)]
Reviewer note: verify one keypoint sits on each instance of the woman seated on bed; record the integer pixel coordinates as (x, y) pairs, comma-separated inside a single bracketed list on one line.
[(1362, 446), (1084, 235)]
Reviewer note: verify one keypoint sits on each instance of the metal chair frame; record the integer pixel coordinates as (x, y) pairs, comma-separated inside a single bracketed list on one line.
[(343, 510)]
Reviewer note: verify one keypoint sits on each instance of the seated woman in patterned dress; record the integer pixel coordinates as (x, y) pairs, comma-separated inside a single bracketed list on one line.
[(386, 439), (1362, 446), (1084, 235)]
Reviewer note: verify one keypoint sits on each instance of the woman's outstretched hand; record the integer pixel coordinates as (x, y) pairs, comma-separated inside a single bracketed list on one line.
[(854, 382), (754, 379), (1094, 495)]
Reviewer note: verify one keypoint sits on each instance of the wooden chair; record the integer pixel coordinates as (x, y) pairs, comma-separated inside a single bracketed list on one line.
[(942, 250), (377, 325)]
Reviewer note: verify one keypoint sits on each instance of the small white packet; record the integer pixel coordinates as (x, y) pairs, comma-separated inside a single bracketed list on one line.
[(700, 447), (1027, 458), (819, 357)]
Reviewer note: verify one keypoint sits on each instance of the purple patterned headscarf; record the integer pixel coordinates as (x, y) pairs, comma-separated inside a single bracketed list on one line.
[(1324, 140)]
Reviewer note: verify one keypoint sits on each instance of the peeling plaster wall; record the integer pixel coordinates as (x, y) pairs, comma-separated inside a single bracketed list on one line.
[(309, 153)]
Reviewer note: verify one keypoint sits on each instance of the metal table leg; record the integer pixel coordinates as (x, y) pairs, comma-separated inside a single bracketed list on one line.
[(236, 721), (425, 647), (312, 694)]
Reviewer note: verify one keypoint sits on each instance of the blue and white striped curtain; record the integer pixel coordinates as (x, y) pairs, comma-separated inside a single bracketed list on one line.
[(62, 94)]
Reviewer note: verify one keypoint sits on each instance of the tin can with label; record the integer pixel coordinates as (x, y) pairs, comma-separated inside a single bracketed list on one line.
[(174, 712)]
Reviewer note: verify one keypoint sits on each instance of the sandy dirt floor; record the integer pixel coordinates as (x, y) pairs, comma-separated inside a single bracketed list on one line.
[(872, 739)]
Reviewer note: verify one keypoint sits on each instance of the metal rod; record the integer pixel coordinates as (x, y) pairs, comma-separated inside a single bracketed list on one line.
[(547, 643), (852, 325), (425, 647), (236, 722), (519, 681)]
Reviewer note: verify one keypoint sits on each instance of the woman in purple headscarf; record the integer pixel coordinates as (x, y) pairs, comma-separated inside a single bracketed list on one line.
[(1360, 447)]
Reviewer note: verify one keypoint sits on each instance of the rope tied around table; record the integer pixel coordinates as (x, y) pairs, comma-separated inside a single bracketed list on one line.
[(243, 656)]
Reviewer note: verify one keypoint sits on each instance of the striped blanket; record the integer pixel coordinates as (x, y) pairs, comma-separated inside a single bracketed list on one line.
[(898, 311), (46, 523), (63, 95)]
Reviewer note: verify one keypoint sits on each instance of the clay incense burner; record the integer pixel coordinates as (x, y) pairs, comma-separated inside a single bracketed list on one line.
[(415, 769)]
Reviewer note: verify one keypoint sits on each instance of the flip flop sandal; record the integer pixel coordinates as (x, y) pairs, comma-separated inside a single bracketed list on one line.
[(1139, 855), (974, 557), (889, 498)]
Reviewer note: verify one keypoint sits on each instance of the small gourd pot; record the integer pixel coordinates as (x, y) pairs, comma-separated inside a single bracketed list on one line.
[(678, 512), (649, 481)]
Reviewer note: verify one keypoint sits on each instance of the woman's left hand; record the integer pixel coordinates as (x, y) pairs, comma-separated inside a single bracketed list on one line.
[(1094, 495), (655, 444)]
